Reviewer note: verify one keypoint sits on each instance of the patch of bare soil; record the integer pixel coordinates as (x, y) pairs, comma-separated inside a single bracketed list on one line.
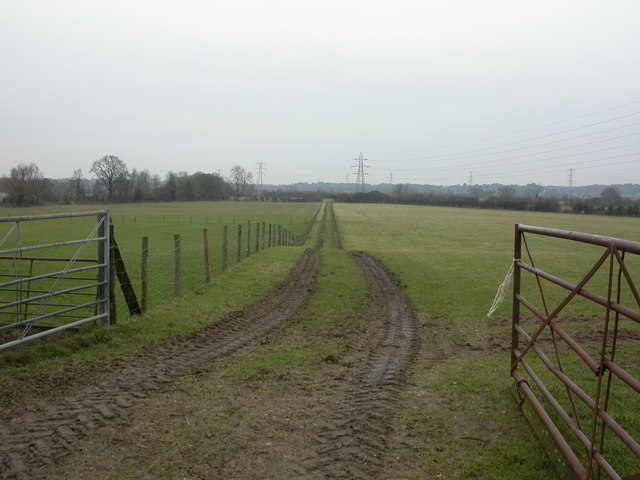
[(55, 430)]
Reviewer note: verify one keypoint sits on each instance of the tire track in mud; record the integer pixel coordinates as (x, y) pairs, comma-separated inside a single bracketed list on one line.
[(352, 435), (34, 440)]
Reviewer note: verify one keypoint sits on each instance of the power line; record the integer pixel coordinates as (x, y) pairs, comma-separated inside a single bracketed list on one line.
[(545, 171), (470, 153), (517, 132), (509, 161)]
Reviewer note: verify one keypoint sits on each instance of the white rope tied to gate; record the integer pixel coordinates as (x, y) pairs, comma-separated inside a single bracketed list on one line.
[(502, 291)]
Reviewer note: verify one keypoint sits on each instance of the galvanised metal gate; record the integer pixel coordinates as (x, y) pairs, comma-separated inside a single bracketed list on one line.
[(577, 378), (49, 287)]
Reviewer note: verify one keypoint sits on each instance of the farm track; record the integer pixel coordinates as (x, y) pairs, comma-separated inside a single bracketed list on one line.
[(352, 435), (32, 441), (336, 233), (349, 432)]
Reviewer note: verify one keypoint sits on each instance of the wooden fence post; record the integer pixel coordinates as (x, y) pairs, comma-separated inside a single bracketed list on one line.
[(270, 228), (177, 265), (207, 268), (239, 242), (144, 274), (257, 237), (225, 244), (248, 238), (119, 271), (264, 232)]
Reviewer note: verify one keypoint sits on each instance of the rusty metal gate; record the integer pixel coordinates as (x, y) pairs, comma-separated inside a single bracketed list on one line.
[(49, 287), (577, 376)]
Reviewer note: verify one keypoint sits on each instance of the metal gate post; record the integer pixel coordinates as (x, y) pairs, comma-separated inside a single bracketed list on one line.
[(515, 320), (106, 292)]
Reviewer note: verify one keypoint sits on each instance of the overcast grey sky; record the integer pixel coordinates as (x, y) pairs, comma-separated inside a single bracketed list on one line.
[(429, 91)]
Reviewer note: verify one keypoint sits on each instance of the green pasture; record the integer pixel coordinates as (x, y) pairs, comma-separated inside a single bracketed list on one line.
[(242, 284), (451, 262), (184, 212), (457, 418), (159, 222)]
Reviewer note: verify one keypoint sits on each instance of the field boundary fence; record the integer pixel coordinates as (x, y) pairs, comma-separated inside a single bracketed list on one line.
[(43, 292), (80, 287), (185, 263), (577, 385), (229, 219)]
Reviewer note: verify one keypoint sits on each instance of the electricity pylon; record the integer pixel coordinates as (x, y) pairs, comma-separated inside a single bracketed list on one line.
[(361, 173), (260, 168)]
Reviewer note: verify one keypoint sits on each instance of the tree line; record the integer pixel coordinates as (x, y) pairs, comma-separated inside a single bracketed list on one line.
[(609, 202), (26, 185), (505, 197), (114, 182)]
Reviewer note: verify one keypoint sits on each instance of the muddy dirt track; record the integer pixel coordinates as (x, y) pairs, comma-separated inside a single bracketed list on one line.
[(344, 435), (352, 436)]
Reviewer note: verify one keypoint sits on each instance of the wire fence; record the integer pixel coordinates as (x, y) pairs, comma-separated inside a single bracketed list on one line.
[(189, 258), (288, 219), (150, 264)]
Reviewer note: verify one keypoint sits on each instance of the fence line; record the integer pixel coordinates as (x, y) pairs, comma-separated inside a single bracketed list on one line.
[(172, 268), (148, 276), (211, 219)]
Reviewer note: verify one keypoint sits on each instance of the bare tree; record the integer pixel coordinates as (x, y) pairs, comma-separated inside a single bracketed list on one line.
[(506, 192), (610, 196), (111, 172), (142, 187), (23, 185), (77, 182), (533, 190), (241, 179)]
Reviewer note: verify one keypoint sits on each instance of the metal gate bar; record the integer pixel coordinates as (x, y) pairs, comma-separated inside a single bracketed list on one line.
[(43, 297), (613, 259)]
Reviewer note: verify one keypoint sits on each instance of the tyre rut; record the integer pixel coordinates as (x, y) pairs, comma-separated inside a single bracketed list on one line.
[(32, 441), (350, 440)]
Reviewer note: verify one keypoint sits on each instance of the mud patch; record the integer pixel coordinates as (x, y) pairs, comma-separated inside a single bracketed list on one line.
[(351, 437), (55, 429)]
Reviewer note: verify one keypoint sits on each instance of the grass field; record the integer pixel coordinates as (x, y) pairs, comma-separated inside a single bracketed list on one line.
[(451, 262), (457, 417), (159, 222)]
